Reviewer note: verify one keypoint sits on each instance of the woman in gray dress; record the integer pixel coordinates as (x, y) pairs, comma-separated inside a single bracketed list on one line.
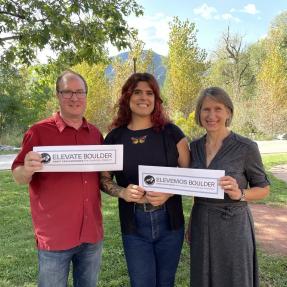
[(221, 232)]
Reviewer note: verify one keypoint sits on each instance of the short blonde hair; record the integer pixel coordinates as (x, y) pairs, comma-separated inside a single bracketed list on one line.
[(217, 94)]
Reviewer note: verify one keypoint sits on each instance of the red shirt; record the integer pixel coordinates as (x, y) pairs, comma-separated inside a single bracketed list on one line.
[(65, 206)]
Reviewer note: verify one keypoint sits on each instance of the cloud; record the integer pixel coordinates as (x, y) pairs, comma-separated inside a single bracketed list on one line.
[(228, 16), (210, 13), (250, 9), (152, 30), (205, 11)]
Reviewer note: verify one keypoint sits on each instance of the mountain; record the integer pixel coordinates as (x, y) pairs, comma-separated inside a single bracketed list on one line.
[(157, 68)]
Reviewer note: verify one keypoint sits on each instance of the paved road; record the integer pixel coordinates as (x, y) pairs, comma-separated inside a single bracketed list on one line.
[(6, 161), (280, 171), (275, 146)]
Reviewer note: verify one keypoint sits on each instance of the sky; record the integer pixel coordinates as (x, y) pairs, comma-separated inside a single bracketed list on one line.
[(251, 19)]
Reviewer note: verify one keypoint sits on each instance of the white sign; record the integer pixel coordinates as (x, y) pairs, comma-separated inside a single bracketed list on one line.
[(185, 181), (77, 158)]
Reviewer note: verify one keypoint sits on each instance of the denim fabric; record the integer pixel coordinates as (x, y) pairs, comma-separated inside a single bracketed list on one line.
[(54, 266), (153, 253)]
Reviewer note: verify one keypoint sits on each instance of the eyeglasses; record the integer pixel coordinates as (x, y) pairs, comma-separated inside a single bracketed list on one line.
[(69, 94)]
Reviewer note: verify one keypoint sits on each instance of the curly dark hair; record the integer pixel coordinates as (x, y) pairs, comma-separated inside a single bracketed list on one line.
[(159, 117)]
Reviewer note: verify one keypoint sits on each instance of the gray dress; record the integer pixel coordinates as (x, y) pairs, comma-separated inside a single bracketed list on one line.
[(223, 251)]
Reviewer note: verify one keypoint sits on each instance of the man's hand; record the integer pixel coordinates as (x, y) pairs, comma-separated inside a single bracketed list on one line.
[(32, 163)]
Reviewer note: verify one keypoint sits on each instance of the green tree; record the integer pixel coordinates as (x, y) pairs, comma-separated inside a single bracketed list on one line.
[(272, 84), (40, 100), (28, 95), (13, 88), (188, 125), (98, 101), (123, 68), (231, 67), (185, 67), (279, 24), (75, 30)]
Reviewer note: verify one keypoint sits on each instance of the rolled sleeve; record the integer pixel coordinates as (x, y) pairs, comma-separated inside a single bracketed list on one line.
[(254, 169)]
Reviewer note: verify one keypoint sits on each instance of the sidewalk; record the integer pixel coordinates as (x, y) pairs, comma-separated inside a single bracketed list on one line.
[(271, 222), (274, 146), (280, 171), (270, 228), (6, 161)]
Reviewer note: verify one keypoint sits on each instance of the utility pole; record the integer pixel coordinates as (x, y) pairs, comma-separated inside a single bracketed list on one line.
[(135, 64)]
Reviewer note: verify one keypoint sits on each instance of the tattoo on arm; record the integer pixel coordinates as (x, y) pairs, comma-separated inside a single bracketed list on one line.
[(109, 186)]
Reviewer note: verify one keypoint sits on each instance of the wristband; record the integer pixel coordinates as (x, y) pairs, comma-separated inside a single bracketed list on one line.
[(243, 194)]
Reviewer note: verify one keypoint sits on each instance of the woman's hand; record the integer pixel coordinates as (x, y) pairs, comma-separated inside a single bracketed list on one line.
[(230, 186), (157, 198), (132, 193)]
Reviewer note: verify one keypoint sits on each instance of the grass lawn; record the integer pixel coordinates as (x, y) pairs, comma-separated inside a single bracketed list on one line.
[(3, 152), (18, 260), (278, 194)]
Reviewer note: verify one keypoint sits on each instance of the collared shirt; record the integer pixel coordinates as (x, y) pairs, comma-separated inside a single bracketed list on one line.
[(65, 206), (238, 156)]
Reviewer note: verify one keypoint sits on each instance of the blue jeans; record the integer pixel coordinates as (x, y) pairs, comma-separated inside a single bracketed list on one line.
[(153, 253), (54, 266)]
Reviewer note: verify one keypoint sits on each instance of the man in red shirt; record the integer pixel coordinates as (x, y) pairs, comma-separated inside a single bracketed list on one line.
[(65, 206)]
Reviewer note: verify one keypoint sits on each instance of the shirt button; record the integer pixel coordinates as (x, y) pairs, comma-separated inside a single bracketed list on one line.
[(86, 181), (87, 199)]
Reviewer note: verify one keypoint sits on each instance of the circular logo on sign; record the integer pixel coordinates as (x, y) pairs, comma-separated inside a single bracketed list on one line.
[(46, 158), (149, 179)]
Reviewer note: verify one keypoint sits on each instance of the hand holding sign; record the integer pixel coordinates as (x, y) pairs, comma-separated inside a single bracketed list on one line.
[(80, 158), (157, 198), (32, 162), (132, 193), (185, 181)]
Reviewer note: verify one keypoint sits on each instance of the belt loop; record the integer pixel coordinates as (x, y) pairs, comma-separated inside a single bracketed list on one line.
[(147, 207)]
